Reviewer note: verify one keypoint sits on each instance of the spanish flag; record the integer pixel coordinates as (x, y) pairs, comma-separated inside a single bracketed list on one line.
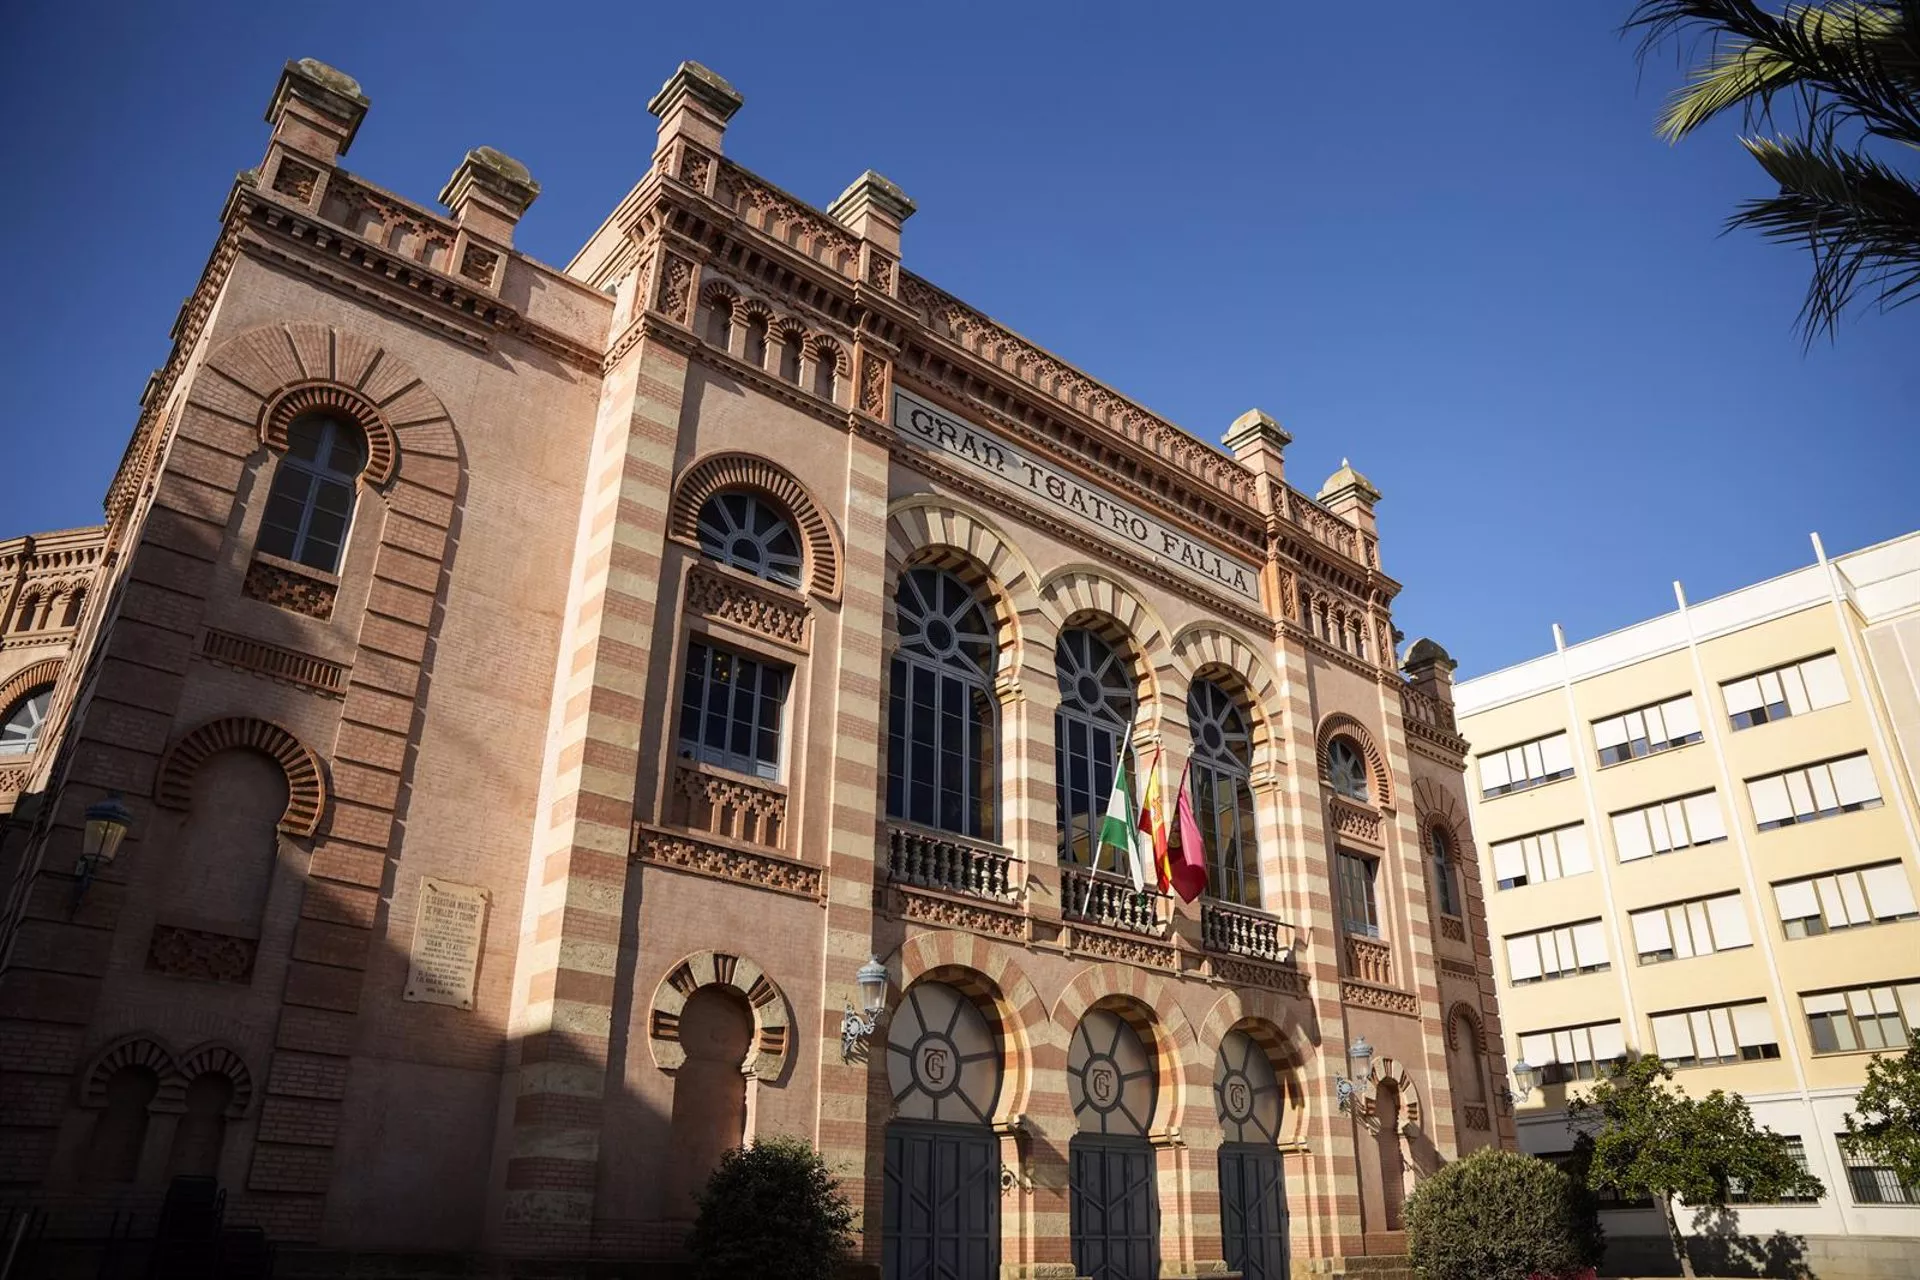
[(1153, 820)]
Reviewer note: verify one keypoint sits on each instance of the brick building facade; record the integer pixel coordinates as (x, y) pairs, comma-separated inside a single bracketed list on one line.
[(539, 692)]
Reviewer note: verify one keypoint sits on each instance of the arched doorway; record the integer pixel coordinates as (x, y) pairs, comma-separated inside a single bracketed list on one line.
[(1114, 1212), (1253, 1186), (941, 1214)]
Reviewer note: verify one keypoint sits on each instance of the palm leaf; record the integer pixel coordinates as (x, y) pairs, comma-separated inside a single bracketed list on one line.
[(1859, 218), (1853, 60)]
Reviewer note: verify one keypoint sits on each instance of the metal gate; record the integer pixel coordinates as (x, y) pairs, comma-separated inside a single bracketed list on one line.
[(1115, 1213), (1253, 1211), (941, 1217)]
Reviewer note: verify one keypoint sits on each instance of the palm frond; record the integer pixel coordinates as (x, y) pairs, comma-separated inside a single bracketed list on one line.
[(1854, 60), (1859, 218)]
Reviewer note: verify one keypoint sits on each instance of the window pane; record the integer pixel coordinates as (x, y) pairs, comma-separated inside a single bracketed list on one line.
[(1825, 685), (1853, 780)]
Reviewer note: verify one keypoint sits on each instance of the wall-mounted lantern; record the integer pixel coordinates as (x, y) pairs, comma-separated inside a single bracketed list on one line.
[(1356, 1086), (857, 1027), (107, 822)]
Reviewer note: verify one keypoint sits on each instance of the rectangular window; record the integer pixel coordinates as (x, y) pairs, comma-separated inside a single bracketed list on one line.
[(1792, 690), (1530, 764), (1359, 912), (1844, 900), (1699, 927), (731, 709), (1737, 1191), (1722, 1033), (1542, 856), (1882, 1017), (1556, 953), (1604, 1197), (1668, 825), (1645, 730), (1813, 791), (1573, 1053), (1873, 1183)]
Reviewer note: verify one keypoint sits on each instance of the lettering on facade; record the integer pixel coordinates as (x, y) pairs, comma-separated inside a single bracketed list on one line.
[(1100, 1083), (446, 943), (927, 427)]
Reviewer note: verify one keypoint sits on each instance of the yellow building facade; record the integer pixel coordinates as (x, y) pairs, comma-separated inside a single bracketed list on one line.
[(1699, 840)]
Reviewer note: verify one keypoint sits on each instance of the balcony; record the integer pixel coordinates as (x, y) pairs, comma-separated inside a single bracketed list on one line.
[(937, 860), (729, 805), (1242, 931), (1100, 898), (1369, 960)]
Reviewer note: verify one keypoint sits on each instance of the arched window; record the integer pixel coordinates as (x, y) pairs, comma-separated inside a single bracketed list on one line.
[(755, 352), (1347, 770), (311, 502), (940, 738), (20, 731), (1445, 891), (202, 1131), (740, 530), (790, 358), (120, 1132), (1223, 802), (720, 322), (1089, 734), (825, 372)]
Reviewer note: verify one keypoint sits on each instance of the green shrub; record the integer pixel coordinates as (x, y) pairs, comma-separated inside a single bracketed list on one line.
[(771, 1211), (1499, 1215)]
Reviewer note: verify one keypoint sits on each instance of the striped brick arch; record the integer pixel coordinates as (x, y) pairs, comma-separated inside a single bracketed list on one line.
[(26, 680), (996, 983), (1390, 1071), (1273, 1023), (1203, 651), (940, 532), (772, 1018), (306, 781), (1082, 596), (303, 398), (719, 472), (1342, 725), (174, 1072), (1147, 1002)]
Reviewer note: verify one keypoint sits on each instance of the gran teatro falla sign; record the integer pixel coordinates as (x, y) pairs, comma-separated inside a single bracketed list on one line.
[(1011, 467)]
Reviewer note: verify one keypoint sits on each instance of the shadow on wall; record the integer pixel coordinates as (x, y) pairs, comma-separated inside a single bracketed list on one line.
[(1720, 1249)]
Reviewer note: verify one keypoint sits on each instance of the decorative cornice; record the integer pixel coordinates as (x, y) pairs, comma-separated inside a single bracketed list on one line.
[(677, 851), (1125, 947), (290, 666), (1251, 973), (949, 912), (1365, 995)]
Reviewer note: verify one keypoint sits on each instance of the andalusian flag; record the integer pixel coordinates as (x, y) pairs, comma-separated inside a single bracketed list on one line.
[(1118, 829)]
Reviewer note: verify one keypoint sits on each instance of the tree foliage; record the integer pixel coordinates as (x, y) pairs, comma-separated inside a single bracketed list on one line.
[(1644, 1137), (1884, 1125), (771, 1211), (1843, 78), (1499, 1215)]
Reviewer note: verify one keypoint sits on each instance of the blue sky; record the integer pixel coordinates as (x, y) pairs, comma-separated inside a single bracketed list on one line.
[(1448, 247)]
